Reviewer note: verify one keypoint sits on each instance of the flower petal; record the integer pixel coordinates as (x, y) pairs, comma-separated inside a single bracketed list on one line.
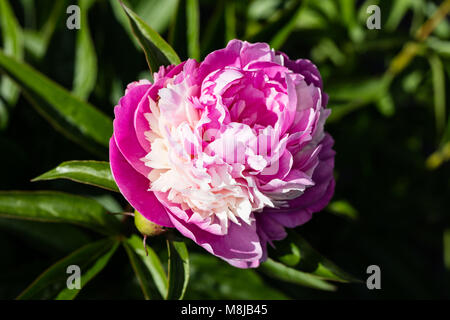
[(134, 188), (241, 246), (124, 133), (314, 198)]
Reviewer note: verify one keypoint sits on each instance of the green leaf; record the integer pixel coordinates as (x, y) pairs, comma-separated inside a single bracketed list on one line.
[(4, 115), (75, 118), (349, 18), (282, 35), (348, 12), (37, 42), (109, 203), (411, 82), (13, 46), (99, 265), (157, 13), (362, 89), (340, 110), (11, 30), (442, 154), (212, 27), (193, 28), (96, 173), (230, 21), (226, 282), (295, 252), (177, 30), (357, 94), (438, 77), (148, 268), (48, 237), (157, 51), (121, 17), (441, 47), (385, 104), (143, 276), (279, 271), (397, 12), (262, 9), (85, 56), (327, 49), (50, 206), (446, 246), (343, 208), (178, 269), (288, 253), (328, 8), (310, 19), (52, 283), (279, 30)]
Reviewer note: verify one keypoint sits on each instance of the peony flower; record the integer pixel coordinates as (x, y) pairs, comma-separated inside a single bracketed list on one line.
[(228, 151)]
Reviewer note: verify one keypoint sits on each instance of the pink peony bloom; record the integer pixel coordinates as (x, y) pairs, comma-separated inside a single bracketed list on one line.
[(229, 151)]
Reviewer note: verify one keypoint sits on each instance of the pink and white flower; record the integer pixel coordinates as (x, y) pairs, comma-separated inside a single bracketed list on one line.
[(229, 151)]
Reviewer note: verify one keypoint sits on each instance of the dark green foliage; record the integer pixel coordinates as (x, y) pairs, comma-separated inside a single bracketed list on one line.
[(390, 112)]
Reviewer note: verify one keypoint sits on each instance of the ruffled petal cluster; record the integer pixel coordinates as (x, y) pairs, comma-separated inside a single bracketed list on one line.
[(229, 151)]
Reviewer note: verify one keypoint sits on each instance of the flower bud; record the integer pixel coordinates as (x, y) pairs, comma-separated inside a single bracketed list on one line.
[(146, 227)]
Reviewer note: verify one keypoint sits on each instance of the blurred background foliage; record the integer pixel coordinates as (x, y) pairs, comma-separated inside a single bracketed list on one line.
[(390, 123)]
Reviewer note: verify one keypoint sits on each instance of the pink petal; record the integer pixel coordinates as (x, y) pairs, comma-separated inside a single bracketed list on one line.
[(134, 188), (124, 133)]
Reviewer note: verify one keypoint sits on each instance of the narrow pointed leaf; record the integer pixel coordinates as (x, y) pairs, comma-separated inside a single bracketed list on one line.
[(278, 30), (386, 104), (350, 96), (148, 269), (96, 173), (282, 35), (441, 47), (279, 271), (12, 45), (121, 17), (4, 114), (226, 282), (212, 28), (52, 283), (157, 51), (37, 42), (85, 56), (152, 263), (446, 247), (193, 28), (48, 237), (144, 278), (343, 208), (75, 118), (50, 206), (158, 14), (297, 253), (11, 30), (89, 274), (177, 35), (397, 13), (230, 21), (438, 77), (178, 269)]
